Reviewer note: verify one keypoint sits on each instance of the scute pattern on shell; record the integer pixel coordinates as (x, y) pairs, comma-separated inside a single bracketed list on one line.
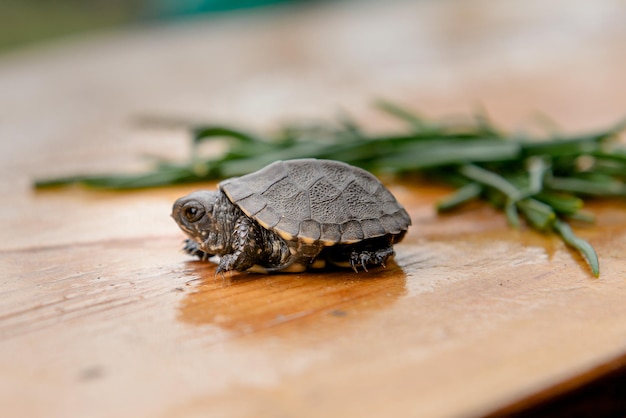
[(318, 200)]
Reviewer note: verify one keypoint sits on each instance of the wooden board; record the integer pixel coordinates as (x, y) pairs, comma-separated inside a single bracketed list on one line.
[(102, 315)]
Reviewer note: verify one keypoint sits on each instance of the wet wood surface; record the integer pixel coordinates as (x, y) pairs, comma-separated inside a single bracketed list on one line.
[(103, 315)]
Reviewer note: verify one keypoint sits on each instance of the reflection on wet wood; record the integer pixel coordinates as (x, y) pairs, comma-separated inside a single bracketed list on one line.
[(249, 302)]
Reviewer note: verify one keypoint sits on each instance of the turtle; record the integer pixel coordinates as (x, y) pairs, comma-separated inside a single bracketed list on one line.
[(294, 215)]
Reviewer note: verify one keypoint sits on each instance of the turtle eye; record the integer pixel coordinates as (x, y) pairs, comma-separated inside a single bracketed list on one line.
[(193, 211)]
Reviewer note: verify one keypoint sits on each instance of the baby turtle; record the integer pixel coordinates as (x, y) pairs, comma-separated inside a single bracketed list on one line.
[(293, 215)]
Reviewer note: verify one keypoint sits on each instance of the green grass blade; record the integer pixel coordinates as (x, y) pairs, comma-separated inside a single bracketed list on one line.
[(172, 175), (491, 179), (582, 216), (512, 217), (397, 111), (462, 195), (564, 147), (589, 187), (437, 153), (537, 169), (203, 133), (561, 203), (565, 231), (539, 215)]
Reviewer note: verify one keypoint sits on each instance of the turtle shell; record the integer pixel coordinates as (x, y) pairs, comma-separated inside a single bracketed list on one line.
[(318, 201)]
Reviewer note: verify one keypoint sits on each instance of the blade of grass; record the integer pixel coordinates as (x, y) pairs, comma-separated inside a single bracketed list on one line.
[(484, 123), (512, 217), (561, 203), (565, 231), (203, 133), (562, 147), (426, 154), (587, 187), (582, 216), (538, 214), (491, 179), (464, 194), (172, 175), (397, 111), (537, 169)]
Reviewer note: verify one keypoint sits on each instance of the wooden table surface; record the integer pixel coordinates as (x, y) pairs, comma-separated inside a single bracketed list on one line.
[(102, 315)]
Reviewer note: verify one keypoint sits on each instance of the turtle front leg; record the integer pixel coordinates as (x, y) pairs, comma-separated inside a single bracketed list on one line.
[(193, 248), (245, 247)]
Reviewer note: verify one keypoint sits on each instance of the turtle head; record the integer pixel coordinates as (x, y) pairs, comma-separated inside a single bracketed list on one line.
[(197, 215)]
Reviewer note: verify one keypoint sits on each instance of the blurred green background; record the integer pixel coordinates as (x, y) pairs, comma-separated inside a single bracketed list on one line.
[(26, 22)]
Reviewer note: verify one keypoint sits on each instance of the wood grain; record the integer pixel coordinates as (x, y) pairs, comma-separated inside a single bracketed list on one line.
[(102, 315)]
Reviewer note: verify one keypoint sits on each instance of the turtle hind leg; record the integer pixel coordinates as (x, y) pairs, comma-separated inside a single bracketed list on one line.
[(365, 254), (366, 258)]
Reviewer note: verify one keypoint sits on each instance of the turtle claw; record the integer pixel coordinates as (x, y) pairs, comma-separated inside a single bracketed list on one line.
[(364, 260), (359, 258), (227, 263), (220, 272), (353, 264)]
